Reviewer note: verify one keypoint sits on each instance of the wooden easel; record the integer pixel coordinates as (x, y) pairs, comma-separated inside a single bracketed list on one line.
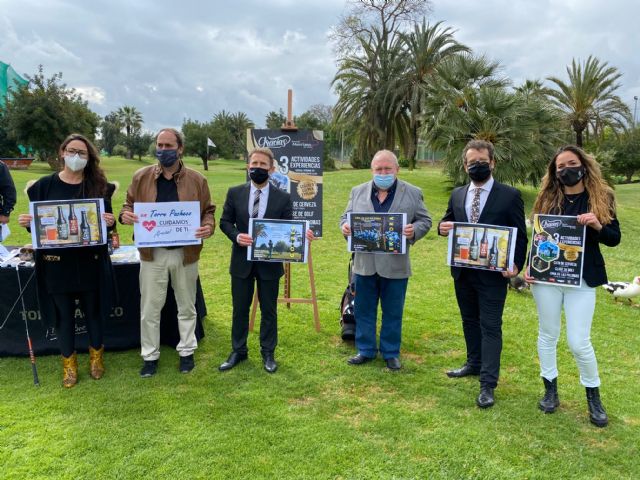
[(290, 126)]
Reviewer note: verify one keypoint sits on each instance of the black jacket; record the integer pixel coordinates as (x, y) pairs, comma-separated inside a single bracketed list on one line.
[(593, 268), (504, 207), (7, 191), (235, 220)]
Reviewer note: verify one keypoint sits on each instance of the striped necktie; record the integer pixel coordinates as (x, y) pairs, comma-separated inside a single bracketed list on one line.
[(475, 206), (256, 204)]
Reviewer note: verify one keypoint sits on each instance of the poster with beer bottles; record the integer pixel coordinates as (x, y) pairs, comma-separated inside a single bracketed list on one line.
[(67, 223), (482, 246), (557, 250)]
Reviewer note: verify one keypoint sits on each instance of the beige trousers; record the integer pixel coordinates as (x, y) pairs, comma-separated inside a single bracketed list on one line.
[(154, 279)]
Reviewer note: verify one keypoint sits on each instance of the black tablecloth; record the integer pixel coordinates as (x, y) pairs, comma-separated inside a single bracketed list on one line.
[(121, 331)]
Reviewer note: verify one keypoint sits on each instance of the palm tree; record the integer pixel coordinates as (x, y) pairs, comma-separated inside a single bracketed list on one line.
[(468, 102), (236, 124), (131, 119), (361, 83), (589, 97), (423, 50)]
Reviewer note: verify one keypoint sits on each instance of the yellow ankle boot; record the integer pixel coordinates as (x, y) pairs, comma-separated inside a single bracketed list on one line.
[(96, 364), (70, 370)]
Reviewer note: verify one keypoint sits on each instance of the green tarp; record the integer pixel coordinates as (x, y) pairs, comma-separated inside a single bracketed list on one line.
[(8, 79)]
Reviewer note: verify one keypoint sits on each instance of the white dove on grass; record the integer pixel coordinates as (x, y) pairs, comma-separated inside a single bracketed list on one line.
[(624, 289)]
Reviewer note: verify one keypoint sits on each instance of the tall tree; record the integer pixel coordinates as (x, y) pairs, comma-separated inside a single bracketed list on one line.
[(423, 49), (110, 132), (131, 120), (42, 112), (363, 16), (589, 98), (236, 124)]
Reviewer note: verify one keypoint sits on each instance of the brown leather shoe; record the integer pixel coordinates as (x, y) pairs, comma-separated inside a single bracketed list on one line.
[(96, 363), (70, 370)]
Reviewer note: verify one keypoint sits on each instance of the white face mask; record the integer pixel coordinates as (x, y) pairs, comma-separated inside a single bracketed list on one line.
[(75, 162)]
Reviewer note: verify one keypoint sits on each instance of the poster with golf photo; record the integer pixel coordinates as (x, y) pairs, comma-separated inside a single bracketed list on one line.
[(278, 240)]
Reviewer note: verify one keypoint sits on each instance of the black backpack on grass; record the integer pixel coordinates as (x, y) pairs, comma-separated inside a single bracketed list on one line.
[(347, 311)]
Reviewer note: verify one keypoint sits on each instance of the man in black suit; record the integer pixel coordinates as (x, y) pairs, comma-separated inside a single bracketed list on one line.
[(254, 199), (480, 293)]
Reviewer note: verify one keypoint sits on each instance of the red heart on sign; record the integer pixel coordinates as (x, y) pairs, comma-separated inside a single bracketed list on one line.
[(149, 225)]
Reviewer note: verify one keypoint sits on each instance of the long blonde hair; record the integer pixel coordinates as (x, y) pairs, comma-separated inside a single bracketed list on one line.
[(601, 197)]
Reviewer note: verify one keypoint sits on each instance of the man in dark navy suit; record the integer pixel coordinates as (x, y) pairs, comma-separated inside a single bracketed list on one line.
[(254, 199), (480, 293)]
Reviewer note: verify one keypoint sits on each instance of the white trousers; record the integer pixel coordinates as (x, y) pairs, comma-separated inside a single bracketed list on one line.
[(579, 305), (154, 279)]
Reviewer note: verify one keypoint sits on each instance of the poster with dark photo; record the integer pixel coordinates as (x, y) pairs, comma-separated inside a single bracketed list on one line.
[(557, 250), (278, 240), (67, 223), (481, 246), (377, 233), (298, 155)]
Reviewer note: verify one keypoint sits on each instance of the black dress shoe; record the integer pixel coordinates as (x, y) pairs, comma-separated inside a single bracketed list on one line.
[(359, 359), (233, 360), (393, 363), (270, 364), (463, 371), (186, 364), (485, 399)]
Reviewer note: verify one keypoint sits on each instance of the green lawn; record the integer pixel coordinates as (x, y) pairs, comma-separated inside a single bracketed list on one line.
[(318, 417)]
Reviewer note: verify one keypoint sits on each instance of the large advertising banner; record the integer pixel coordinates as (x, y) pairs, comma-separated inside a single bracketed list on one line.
[(557, 250), (299, 170)]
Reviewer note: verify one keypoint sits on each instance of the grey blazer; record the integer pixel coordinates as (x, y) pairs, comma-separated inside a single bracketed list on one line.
[(408, 199)]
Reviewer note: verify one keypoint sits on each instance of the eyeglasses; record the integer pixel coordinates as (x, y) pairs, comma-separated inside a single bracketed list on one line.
[(73, 151)]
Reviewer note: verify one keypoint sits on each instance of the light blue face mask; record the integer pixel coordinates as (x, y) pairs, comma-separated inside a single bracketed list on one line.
[(384, 182)]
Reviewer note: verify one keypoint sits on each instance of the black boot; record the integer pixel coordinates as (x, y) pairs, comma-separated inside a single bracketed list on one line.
[(597, 415), (550, 402)]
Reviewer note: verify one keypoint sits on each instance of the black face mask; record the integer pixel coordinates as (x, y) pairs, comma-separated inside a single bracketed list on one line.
[(570, 176), (479, 171), (259, 175)]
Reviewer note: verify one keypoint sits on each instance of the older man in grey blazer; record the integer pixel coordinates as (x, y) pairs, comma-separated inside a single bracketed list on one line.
[(384, 278)]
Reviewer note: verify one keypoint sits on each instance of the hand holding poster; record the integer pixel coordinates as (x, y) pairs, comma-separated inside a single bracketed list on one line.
[(166, 224), (557, 250), (481, 246), (67, 223), (377, 233), (278, 240)]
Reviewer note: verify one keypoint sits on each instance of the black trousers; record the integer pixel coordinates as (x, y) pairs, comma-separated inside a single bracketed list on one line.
[(65, 305), (242, 294), (481, 306)]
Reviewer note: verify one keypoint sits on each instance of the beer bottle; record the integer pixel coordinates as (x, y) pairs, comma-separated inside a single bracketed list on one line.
[(115, 238), (474, 248), (62, 225), (73, 223), (484, 245), (493, 253), (85, 228)]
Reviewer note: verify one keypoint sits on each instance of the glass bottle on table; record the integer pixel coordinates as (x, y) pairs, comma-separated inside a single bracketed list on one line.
[(73, 223), (85, 228), (62, 226), (474, 248)]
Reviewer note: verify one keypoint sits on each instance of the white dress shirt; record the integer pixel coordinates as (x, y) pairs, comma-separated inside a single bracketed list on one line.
[(264, 198), (484, 194)]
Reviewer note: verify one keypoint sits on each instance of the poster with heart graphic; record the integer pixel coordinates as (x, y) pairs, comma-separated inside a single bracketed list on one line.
[(166, 224)]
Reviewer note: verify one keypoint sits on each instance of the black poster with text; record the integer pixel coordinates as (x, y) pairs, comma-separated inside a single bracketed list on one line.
[(299, 170)]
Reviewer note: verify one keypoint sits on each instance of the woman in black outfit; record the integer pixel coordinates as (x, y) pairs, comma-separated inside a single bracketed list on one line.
[(84, 273), (574, 186)]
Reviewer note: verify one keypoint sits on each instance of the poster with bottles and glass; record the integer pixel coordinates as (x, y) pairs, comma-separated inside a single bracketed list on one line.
[(557, 250), (67, 223), (482, 246)]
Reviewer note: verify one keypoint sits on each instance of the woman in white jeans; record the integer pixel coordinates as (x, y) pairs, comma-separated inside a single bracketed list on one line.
[(574, 186)]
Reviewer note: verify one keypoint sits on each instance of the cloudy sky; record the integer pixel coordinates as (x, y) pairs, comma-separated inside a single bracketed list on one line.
[(193, 58)]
